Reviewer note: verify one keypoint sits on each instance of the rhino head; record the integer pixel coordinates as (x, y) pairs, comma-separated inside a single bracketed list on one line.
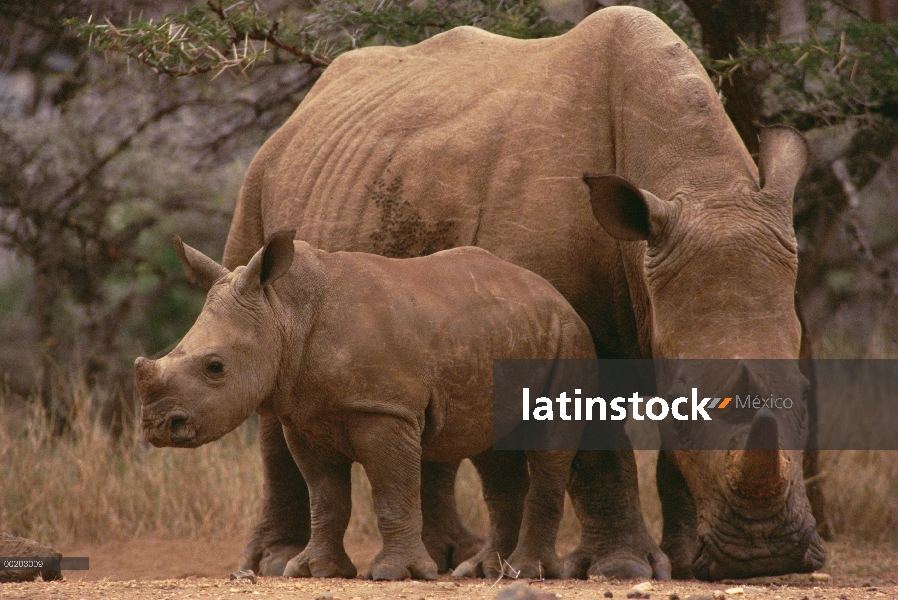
[(227, 364), (717, 281)]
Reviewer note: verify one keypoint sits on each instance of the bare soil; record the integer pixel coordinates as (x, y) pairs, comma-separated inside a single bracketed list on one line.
[(192, 569)]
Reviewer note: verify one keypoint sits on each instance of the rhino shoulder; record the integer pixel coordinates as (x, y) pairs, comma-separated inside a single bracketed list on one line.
[(358, 65)]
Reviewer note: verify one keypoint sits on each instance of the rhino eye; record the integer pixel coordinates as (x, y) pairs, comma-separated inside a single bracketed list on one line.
[(214, 367)]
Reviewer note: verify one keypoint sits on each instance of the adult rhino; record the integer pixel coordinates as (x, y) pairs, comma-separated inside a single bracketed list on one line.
[(470, 138)]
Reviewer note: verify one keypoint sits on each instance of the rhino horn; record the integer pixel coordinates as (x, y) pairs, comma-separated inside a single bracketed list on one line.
[(760, 470)]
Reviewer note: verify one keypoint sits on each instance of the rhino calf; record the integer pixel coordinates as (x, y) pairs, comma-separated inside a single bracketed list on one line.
[(380, 361)]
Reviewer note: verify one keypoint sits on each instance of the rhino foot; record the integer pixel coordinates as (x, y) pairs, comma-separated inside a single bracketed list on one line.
[(648, 562), (270, 561), (486, 563), (447, 550), (519, 566), (446, 538), (398, 567), (309, 563), (619, 565)]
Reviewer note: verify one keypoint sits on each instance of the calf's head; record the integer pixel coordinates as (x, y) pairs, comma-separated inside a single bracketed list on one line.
[(227, 364), (719, 273)]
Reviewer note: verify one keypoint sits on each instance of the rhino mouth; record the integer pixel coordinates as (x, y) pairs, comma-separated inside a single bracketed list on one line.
[(727, 556), (174, 428)]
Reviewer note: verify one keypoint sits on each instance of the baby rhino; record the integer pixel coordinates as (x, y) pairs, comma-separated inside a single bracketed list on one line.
[(382, 361)]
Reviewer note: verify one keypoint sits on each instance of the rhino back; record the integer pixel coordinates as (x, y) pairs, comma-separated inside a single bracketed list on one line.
[(475, 139), (417, 338)]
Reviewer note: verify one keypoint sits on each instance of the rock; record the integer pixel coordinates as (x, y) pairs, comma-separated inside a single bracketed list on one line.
[(673, 597), (640, 590), (735, 591), (244, 575), (12, 546), (718, 595), (522, 591), (820, 577), (608, 594)]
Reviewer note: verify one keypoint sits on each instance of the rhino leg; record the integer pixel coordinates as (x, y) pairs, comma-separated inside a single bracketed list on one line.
[(284, 526), (330, 499), (505, 480), (390, 451), (535, 555), (679, 538), (447, 540), (810, 465), (604, 490)]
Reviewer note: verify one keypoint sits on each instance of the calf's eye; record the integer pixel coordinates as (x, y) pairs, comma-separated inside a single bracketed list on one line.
[(215, 367)]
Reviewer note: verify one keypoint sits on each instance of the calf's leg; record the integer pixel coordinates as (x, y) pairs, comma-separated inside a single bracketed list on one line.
[(330, 497), (284, 526), (390, 451)]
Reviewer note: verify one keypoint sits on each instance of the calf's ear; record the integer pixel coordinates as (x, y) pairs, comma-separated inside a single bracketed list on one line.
[(623, 210), (199, 268), (270, 263)]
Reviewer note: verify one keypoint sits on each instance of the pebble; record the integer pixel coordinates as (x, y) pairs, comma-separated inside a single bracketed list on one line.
[(244, 575), (820, 577), (640, 590), (608, 594), (735, 591), (522, 591)]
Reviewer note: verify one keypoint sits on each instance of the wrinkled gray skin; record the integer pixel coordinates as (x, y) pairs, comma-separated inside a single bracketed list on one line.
[(380, 361), (472, 139)]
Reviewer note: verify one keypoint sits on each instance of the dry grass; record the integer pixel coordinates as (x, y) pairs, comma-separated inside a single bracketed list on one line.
[(860, 488), (87, 487)]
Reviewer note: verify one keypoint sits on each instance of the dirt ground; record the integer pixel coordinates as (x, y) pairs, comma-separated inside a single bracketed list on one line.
[(190, 569)]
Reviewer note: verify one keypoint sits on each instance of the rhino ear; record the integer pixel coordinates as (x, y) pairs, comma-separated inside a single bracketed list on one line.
[(199, 268), (270, 263), (623, 210), (782, 159)]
